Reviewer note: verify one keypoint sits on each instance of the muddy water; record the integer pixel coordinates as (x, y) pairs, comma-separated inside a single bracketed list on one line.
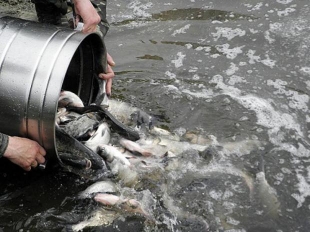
[(237, 71)]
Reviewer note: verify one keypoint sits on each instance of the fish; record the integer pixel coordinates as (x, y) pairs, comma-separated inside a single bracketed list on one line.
[(107, 199), (122, 111), (128, 205), (61, 112), (130, 115), (81, 126), (64, 116), (163, 134), (67, 98), (97, 218), (119, 165), (173, 146), (134, 147), (142, 119), (66, 144), (101, 136), (102, 98), (117, 208), (75, 161), (105, 186), (110, 153), (103, 113), (266, 194)]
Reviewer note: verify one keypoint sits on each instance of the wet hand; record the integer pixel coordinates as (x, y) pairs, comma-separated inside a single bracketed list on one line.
[(108, 76), (25, 153), (86, 10)]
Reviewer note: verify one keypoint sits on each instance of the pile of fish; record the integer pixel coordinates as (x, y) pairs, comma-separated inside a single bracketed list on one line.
[(90, 138), (80, 131), (118, 147)]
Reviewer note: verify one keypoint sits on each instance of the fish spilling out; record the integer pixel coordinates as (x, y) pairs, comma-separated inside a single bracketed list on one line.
[(128, 149)]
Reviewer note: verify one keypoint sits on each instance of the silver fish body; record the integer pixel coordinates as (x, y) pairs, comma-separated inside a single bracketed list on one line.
[(67, 98), (100, 137), (135, 147), (99, 187), (111, 151), (80, 127), (266, 194)]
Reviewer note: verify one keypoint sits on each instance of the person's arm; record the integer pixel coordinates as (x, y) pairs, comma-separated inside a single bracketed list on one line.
[(91, 18), (24, 152)]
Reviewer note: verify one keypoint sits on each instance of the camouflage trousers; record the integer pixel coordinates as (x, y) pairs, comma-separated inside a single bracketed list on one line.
[(52, 11)]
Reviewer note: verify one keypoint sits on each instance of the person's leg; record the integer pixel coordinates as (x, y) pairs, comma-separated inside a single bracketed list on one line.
[(51, 12), (100, 6)]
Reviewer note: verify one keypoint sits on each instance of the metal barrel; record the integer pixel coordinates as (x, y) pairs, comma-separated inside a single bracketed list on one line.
[(37, 61)]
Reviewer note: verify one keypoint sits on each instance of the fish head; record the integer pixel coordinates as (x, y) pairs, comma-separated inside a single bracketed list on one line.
[(103, 152)]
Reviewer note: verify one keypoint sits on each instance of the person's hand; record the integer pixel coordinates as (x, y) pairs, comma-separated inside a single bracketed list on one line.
[(90, 16), (91, 19), (24, 152), (108, 75)]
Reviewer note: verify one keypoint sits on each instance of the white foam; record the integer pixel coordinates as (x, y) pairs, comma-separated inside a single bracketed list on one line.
[(231, 53), (200, 48), (284, 1), (296, 100), (215, 55), (196, 77), (188, 46), (228, 194), (182, 30), (205, 93), (304, 190), (170, 75), (232, 221), (139, 9), (267, 116), (193, 69), (305, 70), (253, 58), (228, 33), (172, 87), (279, 177), (232, 69), (256, 7), (268, 62), (216, 195), (234, 79), (253, 31), (268, 37), (285, 12), (217, 21), (179, 61)]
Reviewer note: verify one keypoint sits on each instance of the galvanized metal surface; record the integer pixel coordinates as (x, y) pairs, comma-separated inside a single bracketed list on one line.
[(36, 62)]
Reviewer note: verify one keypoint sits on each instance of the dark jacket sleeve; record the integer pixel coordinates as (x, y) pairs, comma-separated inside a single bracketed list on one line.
[(4, 141)]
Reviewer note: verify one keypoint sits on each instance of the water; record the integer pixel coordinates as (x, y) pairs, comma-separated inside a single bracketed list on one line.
[(236, 70)]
